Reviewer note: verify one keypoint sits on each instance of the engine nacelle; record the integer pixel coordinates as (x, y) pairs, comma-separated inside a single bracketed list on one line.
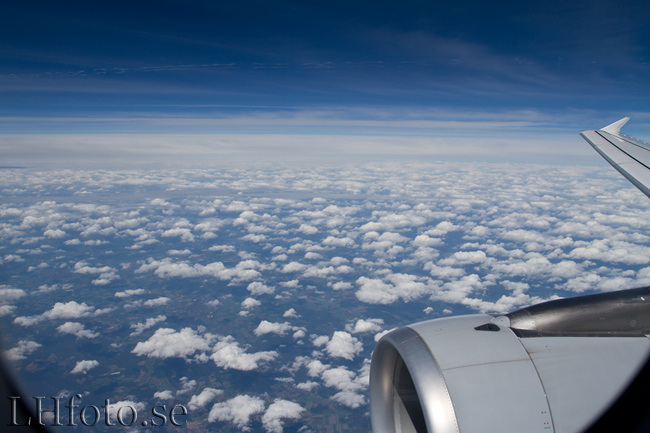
[(553, 367)]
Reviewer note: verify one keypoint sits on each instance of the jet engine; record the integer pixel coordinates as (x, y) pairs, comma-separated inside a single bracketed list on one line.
[(552, 367)]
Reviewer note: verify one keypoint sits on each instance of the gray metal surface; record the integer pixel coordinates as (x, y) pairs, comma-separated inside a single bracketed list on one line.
[(492, 382), (625, 313), (583, 376), (387, 415), (629, 156)]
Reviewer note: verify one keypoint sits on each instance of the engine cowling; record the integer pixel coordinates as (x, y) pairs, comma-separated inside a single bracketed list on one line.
[(553, 367)]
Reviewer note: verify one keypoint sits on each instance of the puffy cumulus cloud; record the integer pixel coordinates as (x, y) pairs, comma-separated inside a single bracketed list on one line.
[(45, 288), (228, 354), (6, 310), (156, 302), (349, 399), (10, 294), (257, 238), (340, 285), (266, 327), (258, 288), (426, 241), (237, 410), (316, 367), (106, 273), (82, 367), (307, 229), (129, 292), (444, 272), (277, 411), (307, 386), (343, 345), (167, 343), (290, 313), (461, 258), (140, 327), (457, 291), (396, 286), (184, 233), (384, 245), (82, 267), (362, 326), (54, 233), (249, 303), (188, 385), (205, 397), (375, 291), (535, 264), (293, 267), (163, 395), (24, 348), (343, 242), (68, 310), (244, 270), (351, 386), (612, 251), (341, 378), (382, 333), (516, 299), (442, 229), (76, 329), (28, 320), (393, 221), (322, 271)]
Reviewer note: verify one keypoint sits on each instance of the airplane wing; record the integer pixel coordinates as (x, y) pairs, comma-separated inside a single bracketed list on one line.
[(628, 155), (554, 367)]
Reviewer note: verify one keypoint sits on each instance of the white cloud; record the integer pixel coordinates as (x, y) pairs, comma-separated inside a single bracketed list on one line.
[(362, 326), (237, 411), (25, 347), (266, 327), (307, 229), (245, 270), (83, 366), (129, 292), (156, 302), (76, 329), (307, 386), (249, 303), (163, 395), (258, 288), (228, 354), (290, 313), (278, 410), (188, 385), (10, 294), (293, 267), (205, 397), (6, 310), (69, 310), (54, 233), (140, 327), (343, 345), (345, 242), (167, 343)]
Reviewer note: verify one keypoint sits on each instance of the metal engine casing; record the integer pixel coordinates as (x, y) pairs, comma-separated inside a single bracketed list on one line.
[(475, 374)]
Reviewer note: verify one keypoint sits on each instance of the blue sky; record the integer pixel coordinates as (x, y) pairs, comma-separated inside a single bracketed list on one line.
[(459, 71)]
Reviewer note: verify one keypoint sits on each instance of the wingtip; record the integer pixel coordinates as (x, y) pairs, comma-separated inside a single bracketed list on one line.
[(615, 127)]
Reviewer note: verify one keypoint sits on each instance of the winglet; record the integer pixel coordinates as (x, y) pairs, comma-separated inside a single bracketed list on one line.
[(615, 127)]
